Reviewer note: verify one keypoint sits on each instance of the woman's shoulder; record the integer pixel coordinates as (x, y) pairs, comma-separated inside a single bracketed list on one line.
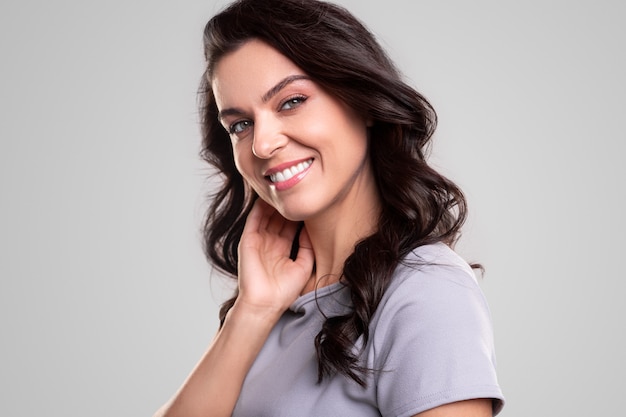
[(433, 286), (432, 267), (433, 334)]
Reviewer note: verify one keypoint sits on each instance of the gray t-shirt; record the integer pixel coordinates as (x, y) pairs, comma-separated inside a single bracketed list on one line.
[(431, 343)]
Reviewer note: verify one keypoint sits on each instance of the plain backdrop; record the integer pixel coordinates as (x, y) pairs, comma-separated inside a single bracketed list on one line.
[(106, 300)]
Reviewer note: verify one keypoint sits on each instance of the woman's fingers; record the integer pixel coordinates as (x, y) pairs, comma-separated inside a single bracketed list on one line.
[(268, 275), (276, 223), (264, 218), (256, 219)]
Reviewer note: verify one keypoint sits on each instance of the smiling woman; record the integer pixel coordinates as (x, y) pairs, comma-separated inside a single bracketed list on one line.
[(299, 148), (350, 299)]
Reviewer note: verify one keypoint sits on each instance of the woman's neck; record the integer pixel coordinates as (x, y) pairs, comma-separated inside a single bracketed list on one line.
[(335, 233)]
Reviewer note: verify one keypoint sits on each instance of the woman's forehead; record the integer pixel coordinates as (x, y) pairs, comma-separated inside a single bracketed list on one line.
[(252, 69)]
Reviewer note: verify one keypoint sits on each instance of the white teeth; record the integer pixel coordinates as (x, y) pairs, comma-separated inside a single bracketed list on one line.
[(288, 173)]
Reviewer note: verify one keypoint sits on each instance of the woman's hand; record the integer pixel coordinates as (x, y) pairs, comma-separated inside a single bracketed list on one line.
[(268, 279)]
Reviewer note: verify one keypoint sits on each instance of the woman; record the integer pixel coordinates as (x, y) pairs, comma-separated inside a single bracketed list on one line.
[(350, 300)]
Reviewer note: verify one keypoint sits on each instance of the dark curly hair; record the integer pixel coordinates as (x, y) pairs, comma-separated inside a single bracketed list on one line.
[(419, 205)]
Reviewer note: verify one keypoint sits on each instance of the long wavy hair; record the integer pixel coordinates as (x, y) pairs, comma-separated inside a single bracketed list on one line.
[(419, 205)]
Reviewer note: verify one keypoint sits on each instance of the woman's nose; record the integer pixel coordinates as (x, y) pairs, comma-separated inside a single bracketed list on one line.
[(268, 138)]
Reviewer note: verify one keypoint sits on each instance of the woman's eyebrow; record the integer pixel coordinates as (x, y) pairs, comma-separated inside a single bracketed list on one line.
[(266, 97), (282, 84), (229, 112)]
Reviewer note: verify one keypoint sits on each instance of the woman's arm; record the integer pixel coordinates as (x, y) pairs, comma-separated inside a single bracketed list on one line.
[(213, 386), (471, 408), (269, 282)]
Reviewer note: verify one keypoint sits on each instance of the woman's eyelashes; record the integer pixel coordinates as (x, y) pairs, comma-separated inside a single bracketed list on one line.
[(239, 126), (293, 102)]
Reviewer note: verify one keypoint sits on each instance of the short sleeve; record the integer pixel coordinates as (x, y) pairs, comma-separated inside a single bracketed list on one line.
[(433, 342)]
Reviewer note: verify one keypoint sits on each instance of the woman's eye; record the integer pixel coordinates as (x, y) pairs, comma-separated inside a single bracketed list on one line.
[(292, 103), (239, 127)]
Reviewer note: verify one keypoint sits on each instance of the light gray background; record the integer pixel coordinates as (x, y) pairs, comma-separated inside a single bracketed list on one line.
[(105, 298)]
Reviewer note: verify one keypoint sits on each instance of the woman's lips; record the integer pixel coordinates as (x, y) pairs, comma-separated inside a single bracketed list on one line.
[(284, 177)]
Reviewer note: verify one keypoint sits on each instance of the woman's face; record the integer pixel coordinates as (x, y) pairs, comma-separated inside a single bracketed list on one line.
[(303, 151)]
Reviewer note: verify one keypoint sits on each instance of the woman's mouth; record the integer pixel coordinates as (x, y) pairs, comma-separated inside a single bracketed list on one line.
[(290, 172), (285, 176)]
